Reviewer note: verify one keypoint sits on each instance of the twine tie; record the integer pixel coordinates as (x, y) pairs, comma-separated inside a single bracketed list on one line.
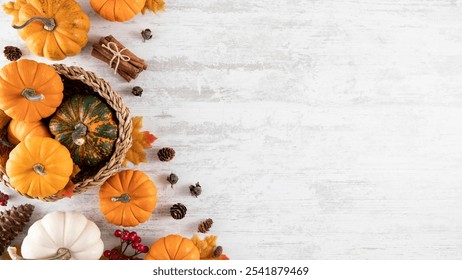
[(112, 47)]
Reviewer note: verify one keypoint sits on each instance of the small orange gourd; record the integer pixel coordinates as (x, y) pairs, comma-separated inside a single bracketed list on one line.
[(19, 130), (39, 166), (173, 247), (29, 91), (124, 10), (117, 10), (128, 198)]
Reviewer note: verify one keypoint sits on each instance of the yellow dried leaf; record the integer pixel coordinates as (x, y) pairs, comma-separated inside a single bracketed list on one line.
[(141, 140), (206, 246), (153, 5)]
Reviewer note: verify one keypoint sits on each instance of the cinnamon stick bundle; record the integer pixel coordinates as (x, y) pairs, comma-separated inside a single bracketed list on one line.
[(122, 60)]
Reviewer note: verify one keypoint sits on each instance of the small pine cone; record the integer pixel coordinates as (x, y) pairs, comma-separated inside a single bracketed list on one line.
[(195, 190), (178, 211), (217, 252), (12, 222), (12, 53), (166, 154), (205, 226)]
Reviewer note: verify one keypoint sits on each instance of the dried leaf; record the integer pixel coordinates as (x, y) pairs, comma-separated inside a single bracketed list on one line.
[(68, 190), (141, 140), (153, 5), (207, 247)]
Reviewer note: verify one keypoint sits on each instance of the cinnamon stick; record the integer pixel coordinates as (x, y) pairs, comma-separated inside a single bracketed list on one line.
[(124, 75), (129, 69), (131, 63), (106, 56), (136, 59)]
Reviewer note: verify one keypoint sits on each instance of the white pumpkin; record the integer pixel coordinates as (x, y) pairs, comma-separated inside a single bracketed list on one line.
[(69, 230)]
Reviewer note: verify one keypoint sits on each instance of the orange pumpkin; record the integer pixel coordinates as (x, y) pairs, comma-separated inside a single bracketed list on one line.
[(128, 198), (29, 91), (39, 166), (54, 29), (117, 10), (173, 247), (19, 130)]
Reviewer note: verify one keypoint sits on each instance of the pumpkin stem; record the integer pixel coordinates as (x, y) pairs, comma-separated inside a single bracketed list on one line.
[(31, 95), (49, 24), (39, 169), (61, 254), (80, 130), (123, 198)]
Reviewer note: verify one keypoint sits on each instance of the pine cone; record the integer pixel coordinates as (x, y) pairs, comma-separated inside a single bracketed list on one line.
[(12, 53), (205, 226), (217, 252), (12, 222), (195, 190), (166, 154), (178, 211)]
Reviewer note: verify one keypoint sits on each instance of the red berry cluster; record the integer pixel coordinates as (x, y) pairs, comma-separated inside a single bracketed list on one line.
[(127, 239), (3, 199)]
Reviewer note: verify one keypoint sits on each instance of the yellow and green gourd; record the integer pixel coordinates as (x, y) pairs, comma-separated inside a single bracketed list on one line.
[(87, 127)]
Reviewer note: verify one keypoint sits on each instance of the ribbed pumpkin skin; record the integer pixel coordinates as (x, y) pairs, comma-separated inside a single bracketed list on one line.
[(18, 130), (16, 76), (143, 198), (70, 230), (48, 152), (69, 36), (117, 10), (173, 247), (100, 124)]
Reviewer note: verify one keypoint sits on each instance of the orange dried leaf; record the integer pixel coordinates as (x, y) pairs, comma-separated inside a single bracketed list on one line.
[(223, 257), (141, 140), (148, 139), (68, 190)]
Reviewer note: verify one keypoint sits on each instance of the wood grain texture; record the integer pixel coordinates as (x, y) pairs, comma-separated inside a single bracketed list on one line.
[(318, 129)]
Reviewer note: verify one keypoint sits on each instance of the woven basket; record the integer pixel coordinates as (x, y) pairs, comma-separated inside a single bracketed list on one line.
[(124, 139)]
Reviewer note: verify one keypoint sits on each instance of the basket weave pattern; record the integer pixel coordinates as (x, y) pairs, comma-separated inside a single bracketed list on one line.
[(124, 139)]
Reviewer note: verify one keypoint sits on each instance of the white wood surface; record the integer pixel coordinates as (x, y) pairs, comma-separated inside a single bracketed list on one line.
[(318, 129)]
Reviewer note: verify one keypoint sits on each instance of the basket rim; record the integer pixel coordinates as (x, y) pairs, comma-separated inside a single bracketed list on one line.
[(123, 141)]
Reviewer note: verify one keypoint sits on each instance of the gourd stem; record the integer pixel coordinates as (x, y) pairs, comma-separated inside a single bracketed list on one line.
[(39, 169), (80, 130), (123, 198), (49, 24), (61, 254), (31, 95)]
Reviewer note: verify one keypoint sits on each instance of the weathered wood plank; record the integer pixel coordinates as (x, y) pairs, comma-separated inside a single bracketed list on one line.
[(318, 129)]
